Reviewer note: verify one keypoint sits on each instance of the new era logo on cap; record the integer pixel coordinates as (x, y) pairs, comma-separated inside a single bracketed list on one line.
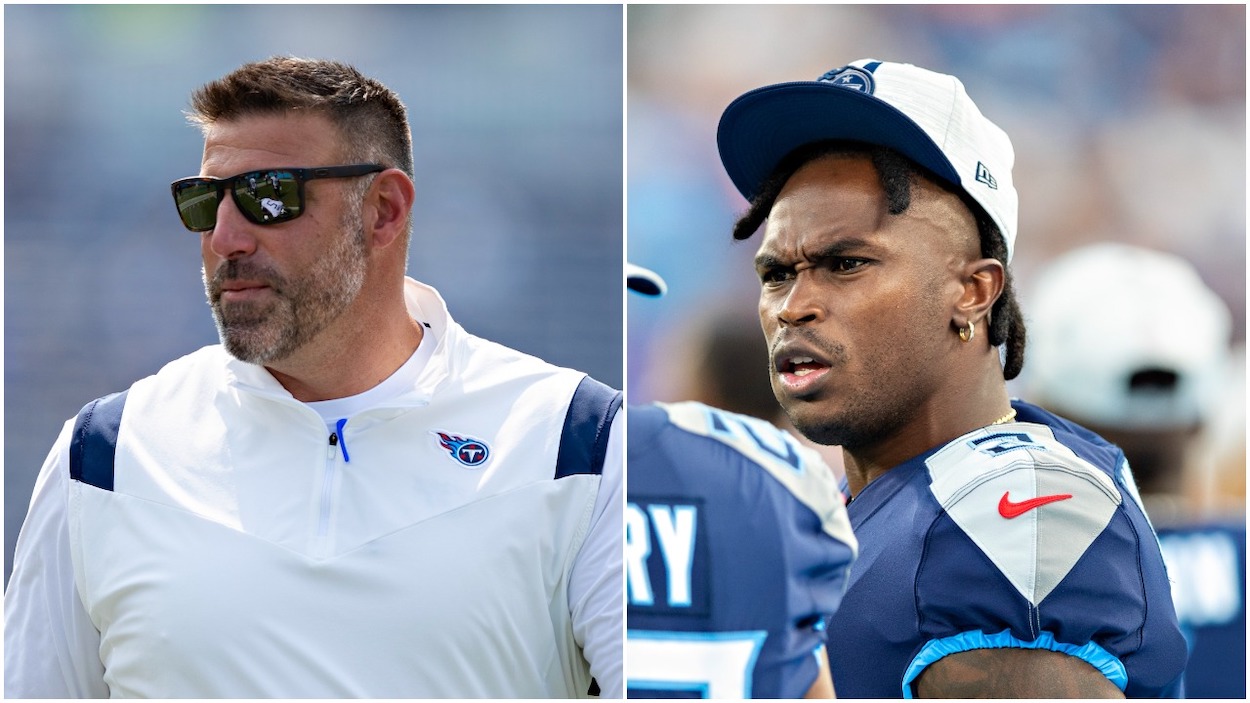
[(926, 116), (983, 176)]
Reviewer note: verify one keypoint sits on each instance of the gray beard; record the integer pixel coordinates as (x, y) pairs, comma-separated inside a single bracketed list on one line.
[(270, 331)]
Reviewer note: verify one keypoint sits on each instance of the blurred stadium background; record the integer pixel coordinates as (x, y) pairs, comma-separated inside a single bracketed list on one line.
[(516, 114)]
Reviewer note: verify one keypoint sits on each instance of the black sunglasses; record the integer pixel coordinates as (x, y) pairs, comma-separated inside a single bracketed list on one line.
[(264, 197)]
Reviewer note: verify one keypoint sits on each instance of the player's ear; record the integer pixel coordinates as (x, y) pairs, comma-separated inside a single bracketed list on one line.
[(981, 282), (387, 206)]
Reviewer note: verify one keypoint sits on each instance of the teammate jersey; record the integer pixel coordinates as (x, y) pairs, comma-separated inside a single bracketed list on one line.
[(737, 549), (1207, 564), (456, 541), (1027, 534)]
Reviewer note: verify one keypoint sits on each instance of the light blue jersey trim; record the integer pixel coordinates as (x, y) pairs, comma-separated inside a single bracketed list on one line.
[(686, 687), (755, 637), (933, 650)]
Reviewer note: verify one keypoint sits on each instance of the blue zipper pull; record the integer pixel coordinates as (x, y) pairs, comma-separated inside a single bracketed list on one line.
[(342, 440)]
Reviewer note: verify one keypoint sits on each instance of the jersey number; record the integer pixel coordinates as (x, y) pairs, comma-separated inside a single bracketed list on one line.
[(709, 664)]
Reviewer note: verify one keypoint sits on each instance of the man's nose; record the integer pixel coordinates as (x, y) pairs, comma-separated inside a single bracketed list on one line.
[(802, 303), (234, 235)]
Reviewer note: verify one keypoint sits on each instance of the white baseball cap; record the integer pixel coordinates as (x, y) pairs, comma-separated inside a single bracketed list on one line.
[(645, 281), (926, 116), (1106, 320)]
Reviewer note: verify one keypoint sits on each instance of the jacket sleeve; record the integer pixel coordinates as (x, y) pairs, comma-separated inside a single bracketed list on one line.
[(596, 585), (51, 647)]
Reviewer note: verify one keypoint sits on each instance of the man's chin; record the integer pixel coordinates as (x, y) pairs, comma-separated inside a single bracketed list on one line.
[(244, 312), (248, 354), (251, 343), (820, 426)]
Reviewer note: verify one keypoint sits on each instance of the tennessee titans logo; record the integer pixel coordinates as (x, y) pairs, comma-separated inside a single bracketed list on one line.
[(1003, 442), (466, 450), (850, 77)]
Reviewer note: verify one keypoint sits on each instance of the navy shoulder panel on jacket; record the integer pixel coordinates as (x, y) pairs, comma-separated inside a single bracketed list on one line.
[(93, 445), (584, 438)]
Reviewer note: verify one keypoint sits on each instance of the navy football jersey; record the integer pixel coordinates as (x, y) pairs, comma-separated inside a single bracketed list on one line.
[(737, 550), (1207, 564), (1028, 534)]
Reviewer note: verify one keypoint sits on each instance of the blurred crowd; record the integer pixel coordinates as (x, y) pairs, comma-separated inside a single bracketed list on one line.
[(516, 113)]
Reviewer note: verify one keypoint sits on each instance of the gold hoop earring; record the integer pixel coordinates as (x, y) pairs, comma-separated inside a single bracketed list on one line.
[(966, 335)]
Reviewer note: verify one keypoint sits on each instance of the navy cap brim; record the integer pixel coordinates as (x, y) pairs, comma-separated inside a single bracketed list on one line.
[(762, 126), (644, 281)]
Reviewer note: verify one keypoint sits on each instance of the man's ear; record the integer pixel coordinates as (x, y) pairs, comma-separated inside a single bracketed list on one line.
[(388, 205), (982, 283)]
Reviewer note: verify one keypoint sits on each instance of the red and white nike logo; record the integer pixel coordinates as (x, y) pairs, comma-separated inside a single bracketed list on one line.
[(1009, 509)]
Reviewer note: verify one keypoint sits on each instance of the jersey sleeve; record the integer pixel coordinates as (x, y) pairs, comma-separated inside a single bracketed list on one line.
[(1036, 547), (596, 584), (51, 647)]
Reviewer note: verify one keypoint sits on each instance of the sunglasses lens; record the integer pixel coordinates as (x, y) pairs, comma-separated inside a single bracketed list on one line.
[(197, 204), (267, 197)]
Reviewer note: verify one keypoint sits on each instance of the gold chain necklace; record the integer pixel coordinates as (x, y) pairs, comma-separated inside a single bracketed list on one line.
[(1005, 418)]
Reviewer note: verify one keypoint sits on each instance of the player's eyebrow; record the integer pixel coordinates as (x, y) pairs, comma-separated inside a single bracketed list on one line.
[(843, 247), (767, 261)]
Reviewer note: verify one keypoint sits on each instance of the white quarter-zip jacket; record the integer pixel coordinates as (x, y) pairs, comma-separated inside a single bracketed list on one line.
[(444, 543)]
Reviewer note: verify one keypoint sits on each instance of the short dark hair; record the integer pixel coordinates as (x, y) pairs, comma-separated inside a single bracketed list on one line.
[(370, 117), (897, 174)]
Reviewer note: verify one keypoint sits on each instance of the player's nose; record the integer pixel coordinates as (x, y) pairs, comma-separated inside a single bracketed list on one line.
[(802, 302)]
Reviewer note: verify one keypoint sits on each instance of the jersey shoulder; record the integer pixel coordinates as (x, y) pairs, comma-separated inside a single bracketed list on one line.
[(761, 446), (1026, 499), (1037, 539)]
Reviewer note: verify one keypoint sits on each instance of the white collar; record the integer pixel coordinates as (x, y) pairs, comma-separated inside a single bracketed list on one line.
[(388, 392)]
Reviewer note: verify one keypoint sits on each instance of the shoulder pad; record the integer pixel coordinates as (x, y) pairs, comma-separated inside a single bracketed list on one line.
[(1028, 502), (798, 468)]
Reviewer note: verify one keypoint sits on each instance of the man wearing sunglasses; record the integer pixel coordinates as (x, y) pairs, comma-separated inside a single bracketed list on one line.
[(351, 496)]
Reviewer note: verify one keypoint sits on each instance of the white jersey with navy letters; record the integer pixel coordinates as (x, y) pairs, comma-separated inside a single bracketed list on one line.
[(458, 540)]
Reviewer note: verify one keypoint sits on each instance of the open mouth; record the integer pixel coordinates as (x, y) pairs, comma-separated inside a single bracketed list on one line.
[(801, 375), (801, 366)]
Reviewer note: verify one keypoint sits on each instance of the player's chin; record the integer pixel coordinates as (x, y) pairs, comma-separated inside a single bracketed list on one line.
[(818, 427), (814, 414)]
